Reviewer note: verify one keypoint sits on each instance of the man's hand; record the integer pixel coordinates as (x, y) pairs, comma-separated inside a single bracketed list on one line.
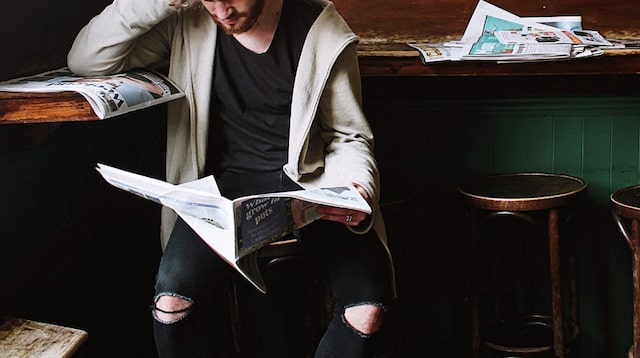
[(346, 216)]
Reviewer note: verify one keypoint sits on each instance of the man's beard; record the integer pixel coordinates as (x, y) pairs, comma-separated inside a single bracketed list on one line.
[(247, 20)]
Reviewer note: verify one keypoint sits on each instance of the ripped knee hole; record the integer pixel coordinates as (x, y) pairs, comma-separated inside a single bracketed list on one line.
[(365, 319), (171, 308)]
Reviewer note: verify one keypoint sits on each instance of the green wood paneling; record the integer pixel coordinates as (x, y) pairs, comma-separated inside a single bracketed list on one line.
[(625, 151), (596, 139), (568, 144)]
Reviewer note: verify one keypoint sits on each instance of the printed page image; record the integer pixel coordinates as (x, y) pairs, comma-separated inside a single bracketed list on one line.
[(570, 23), (435, 52), (124, 90), (211, 213), (263, 220), (108, 95), (488, 43), (343, 196)]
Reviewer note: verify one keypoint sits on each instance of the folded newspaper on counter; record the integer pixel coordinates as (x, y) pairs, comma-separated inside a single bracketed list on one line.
[(108, 95), (237, 229), (494, 34)]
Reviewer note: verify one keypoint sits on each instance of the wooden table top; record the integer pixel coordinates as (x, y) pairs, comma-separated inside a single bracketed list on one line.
[(26, 338)]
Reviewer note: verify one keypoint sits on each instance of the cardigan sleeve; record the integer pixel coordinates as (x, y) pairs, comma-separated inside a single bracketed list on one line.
[(126, 34), (348, 138)]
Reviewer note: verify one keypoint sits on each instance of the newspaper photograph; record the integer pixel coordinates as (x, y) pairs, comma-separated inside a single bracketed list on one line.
[(108, 95)]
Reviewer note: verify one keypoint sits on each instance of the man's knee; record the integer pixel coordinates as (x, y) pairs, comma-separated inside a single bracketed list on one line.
[(170, 308), (365, 318)]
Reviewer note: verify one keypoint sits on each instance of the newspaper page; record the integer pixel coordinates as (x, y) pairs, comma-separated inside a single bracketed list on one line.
[(237, 229), (436, 52), (481, 42), (573, 24), (578, 37), (570, 23), (535, 37), (108, 95)]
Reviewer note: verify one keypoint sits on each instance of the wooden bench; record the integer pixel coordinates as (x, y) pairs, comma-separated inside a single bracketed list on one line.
[(21, 338)]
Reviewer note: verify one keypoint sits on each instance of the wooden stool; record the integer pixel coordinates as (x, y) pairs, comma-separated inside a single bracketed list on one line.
[(626, 205), (313, 298), (521, 195), (21, 338)]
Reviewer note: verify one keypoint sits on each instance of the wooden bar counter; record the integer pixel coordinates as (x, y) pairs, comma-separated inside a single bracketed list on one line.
[(386, 27), (375, 60)]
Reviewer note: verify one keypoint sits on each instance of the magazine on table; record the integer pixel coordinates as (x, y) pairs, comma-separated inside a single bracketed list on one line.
[(494, 34), (237, 229), (481, 42), (108, 95)]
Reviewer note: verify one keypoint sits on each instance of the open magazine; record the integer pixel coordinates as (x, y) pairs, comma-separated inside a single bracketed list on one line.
[(481, 38), (108, 95), (494, 34), (237, 229)]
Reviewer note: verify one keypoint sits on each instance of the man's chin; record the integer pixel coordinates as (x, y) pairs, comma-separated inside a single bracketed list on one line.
[(236, 28), (229, 30)]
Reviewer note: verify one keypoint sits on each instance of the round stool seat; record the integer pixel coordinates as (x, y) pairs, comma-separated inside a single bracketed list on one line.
[(522, 191), (626, 202)]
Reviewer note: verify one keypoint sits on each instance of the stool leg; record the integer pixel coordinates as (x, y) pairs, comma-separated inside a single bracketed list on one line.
[(556, 288), (474, 246), (572, 272), (635, 237)]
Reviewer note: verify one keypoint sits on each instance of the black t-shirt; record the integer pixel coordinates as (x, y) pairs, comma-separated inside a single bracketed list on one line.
[(252, 95)]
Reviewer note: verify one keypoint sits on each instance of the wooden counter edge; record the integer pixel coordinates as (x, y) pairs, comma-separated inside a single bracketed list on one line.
[(398, 59), (17, 107), (376, 59)]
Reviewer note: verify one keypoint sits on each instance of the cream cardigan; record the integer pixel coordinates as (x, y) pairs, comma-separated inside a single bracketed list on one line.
[(330, 141)]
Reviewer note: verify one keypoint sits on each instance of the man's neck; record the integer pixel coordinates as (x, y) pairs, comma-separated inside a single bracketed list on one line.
[(259, 38)]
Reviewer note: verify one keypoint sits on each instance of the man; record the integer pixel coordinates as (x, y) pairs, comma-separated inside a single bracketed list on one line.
[(272, 103)]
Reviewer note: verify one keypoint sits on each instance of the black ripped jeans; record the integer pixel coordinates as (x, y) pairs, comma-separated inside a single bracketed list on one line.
[(357, 266)]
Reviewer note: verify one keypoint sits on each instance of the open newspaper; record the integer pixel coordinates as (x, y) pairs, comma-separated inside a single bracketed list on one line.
[(494, 34), (108, 95), (237, 229)]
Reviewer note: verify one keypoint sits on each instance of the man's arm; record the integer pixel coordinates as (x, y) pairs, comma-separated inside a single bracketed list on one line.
[(127, 34), (349, 138), (345, 129)]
